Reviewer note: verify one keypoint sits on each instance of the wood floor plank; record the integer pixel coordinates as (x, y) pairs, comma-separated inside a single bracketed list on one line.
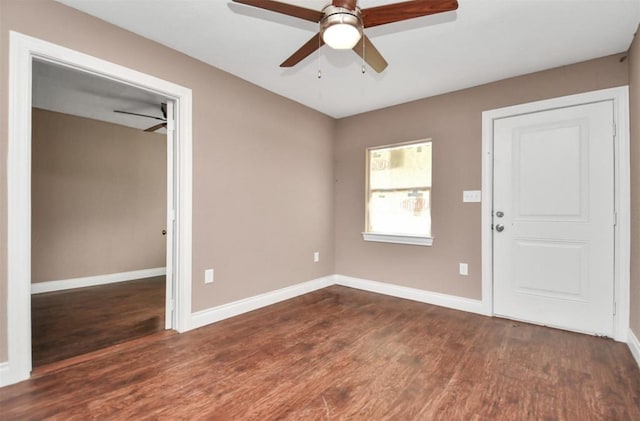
[(338, 354), (74, 322)]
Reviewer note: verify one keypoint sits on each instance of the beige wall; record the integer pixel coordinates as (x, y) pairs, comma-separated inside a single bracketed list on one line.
[(634, 83), (99, 197), (253, 222), (454, 122)]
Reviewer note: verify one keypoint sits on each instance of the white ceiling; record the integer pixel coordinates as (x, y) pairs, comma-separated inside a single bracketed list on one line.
[(61, 89), (481, 42)]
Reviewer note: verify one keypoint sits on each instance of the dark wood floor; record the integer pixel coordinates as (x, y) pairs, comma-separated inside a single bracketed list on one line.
[(74, 322), (340, 353)]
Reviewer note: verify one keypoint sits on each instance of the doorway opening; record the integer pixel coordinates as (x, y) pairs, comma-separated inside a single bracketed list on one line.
[(23, 51), (100, 197)]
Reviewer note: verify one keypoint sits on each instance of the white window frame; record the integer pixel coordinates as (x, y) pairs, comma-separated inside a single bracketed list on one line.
[(414, 240)]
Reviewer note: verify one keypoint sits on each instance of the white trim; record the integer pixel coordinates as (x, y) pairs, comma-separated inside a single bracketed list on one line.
[(5, 379), (169, 305), (486, 239), (182, 236), (622, 164), (634, 346), (429, 297), (18, 215), (225, 311), (89, 281), (620, 98), (22, 50), (397, 239)]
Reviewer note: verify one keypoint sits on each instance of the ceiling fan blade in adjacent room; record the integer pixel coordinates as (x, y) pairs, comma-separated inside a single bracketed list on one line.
[(396, 12), (156, 127), (371, 55), (312, 45), (285, 9), (163, 108), (139, 115)]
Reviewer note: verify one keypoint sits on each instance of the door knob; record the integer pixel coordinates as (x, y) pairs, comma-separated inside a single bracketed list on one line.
[(499, 227)]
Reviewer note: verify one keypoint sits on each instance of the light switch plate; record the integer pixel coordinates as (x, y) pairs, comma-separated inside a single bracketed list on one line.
[(471, 196)]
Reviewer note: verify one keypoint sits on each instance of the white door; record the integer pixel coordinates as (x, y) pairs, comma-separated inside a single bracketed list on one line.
[(554, 218)]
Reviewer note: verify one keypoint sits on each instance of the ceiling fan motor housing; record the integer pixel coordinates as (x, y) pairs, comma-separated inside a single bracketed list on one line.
[(341, 28)]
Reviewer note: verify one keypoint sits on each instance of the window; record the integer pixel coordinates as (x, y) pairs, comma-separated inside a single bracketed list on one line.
[(398, 208)]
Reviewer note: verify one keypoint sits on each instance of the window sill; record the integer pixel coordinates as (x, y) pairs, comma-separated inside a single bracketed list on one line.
[(398, 239)]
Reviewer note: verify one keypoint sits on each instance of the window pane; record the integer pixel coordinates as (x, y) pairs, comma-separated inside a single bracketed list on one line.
[(399, 167), (400, 212), (399, 189)]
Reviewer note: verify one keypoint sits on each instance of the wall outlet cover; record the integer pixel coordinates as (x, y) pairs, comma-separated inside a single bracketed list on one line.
[(464, 269), (471, 196)]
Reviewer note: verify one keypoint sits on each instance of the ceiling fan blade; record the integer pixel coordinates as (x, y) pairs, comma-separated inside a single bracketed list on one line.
[(347, 4), (396, 12), (285, 8), (139, 115), (312, 45), (371, 55), (156, 127), (163, 108)]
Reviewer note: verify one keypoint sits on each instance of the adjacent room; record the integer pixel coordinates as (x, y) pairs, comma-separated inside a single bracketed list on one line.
[(99, 183), (371, 209)]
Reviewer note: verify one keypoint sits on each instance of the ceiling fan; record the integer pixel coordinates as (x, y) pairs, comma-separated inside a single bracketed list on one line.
[(342, 23), (163, 108)]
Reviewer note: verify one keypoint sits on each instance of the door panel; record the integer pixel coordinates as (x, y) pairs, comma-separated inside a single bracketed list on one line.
[(563, 274), (554, 187), (550, 185)]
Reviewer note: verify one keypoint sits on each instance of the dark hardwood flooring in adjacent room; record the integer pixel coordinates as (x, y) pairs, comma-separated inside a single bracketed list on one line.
[(340, 353), (78, 321)]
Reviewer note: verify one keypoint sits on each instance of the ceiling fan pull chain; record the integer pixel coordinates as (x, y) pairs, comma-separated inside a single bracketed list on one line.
[(319, 70), (363, 54)]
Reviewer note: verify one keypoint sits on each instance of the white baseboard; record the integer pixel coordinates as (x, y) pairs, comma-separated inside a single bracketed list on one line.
[(634, 346), (225, 311), (6, 377), (89, 281), (435, 298)]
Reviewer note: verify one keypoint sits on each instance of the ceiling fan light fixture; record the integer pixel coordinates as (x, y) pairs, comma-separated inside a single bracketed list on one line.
[(341, 36), (341, 29)]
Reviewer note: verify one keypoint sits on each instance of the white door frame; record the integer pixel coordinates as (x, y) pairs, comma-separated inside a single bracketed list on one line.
[(170, 317), (23, 49), (620, 98)]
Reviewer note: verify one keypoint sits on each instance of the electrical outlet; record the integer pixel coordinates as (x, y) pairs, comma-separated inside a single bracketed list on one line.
[(316, 256), (208, 276), (464, 269)]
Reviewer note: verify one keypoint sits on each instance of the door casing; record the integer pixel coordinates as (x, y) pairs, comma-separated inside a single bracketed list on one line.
[(23, 50), (620, 98)]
